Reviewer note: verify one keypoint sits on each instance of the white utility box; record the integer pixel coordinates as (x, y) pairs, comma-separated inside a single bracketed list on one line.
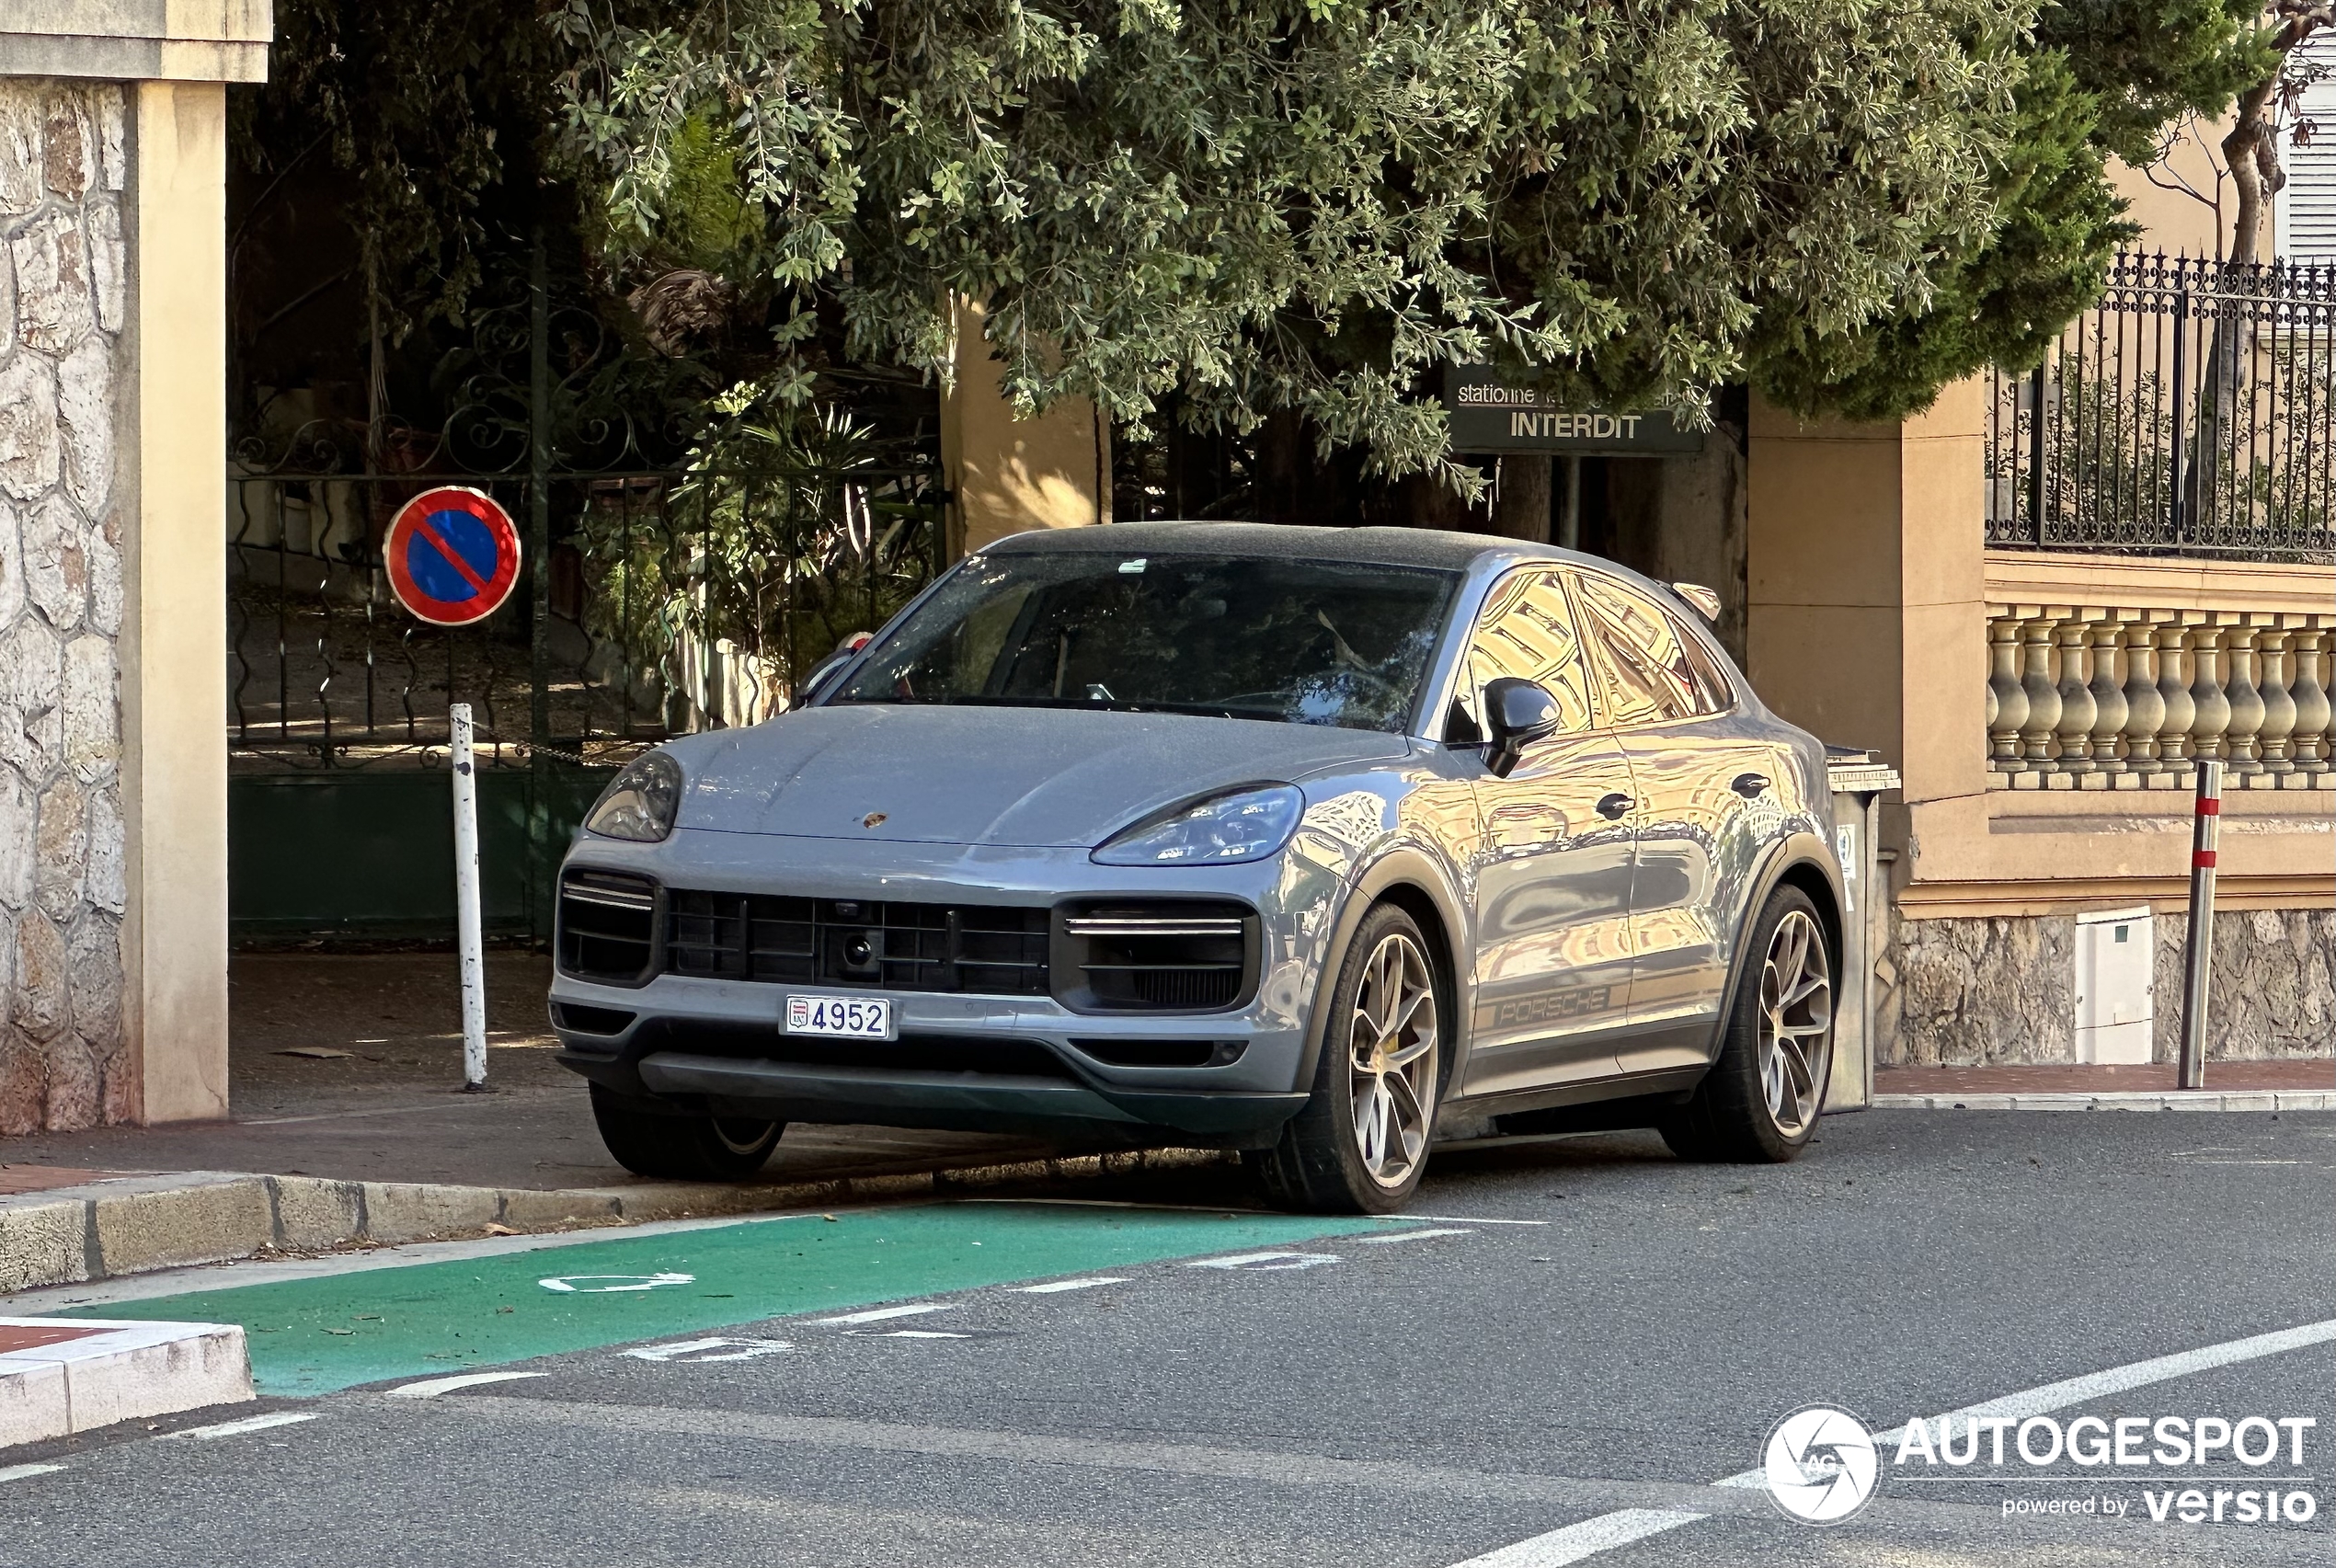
[(2116, 968)]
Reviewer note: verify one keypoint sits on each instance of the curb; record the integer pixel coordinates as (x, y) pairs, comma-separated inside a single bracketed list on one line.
[(62, 1378), (2119, 1100), (138, 1224)]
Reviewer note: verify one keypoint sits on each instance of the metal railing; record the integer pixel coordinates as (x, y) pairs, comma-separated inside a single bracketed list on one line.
[(2191, 412)]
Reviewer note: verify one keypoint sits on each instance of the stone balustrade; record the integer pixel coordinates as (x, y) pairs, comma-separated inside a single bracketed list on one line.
[(2105, 697)]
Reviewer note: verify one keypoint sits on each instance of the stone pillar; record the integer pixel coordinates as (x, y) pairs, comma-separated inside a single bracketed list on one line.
[(1006, 474), (113, 801)]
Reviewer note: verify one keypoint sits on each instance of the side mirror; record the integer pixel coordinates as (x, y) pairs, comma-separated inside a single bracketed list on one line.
[(1519, 713)]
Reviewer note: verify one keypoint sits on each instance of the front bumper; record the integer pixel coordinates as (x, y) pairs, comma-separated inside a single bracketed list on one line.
[(976, 1062)]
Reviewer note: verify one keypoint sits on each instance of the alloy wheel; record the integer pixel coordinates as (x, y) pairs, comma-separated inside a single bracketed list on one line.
[(1796, 1022), (1391, 1060), (740, 1135)]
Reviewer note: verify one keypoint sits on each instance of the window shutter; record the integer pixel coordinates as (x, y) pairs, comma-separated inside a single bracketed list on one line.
[(2310, 195)]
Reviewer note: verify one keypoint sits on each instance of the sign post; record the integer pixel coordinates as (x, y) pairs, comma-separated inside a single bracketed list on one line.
[(468, 944)]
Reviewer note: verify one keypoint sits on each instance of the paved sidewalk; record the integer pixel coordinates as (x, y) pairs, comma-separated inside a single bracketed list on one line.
[(352, 1130), (2307, 1084)]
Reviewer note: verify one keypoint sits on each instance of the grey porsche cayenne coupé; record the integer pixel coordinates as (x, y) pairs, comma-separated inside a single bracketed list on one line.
[(1291, 840)]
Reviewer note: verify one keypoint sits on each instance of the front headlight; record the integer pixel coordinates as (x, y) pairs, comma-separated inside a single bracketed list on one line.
[(641, 802), (1248, 824)]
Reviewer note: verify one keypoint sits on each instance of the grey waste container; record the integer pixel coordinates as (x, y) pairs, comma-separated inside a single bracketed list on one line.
[(1858, 779)]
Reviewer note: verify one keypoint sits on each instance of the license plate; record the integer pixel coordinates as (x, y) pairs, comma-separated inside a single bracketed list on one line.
[(848, 1018)]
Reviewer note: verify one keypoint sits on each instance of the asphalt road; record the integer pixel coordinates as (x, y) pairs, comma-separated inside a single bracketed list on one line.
[(1563, 1386)]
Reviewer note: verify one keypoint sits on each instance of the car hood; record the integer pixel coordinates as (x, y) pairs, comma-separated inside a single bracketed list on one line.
[(1043, 777)]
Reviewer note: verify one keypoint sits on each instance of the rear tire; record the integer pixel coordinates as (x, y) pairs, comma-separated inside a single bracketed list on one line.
[(1361, 1142), (1760, 1102), (683, 1147)]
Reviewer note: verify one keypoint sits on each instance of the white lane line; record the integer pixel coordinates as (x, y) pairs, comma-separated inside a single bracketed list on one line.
[(2115, 1380), (1590, 1537), (1265, 1262), (26, 1472), (918, 1333), (249, 1424), (1577, 1541), (430, 1388), (1053, 1285), (1472, 1220), (878, 1314), (1411, 1236)]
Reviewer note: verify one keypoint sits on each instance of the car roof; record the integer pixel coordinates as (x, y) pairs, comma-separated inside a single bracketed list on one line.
[(1379, 546)]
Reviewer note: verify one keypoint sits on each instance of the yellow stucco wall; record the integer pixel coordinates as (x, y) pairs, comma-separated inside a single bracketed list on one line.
[(174, 676), (1007, 474)]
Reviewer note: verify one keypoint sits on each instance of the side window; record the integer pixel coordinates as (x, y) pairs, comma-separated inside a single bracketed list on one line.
[(1642, 657), (1527, 631)]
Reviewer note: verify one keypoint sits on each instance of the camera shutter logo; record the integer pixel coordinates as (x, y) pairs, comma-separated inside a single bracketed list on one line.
[(1820, 1464)]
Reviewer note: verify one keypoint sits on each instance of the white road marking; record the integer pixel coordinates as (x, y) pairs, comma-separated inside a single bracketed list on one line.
[(1591, 1536), (1265, 1262), (430, 1388), (26, 1472), (878, 1314), (2115, 1380), (1411, 1236), (1472, 1220), (1577, 1541), (249, 1424), (612, 1284), (917, 1333), (700, 1352), (1053, 1285)]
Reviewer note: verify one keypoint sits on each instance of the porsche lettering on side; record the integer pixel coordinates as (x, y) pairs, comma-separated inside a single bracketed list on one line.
[(1291, 841)]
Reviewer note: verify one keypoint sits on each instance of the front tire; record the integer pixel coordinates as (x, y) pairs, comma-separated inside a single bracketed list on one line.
[(683, 1147), (1361, 1143), (1760, 1102)]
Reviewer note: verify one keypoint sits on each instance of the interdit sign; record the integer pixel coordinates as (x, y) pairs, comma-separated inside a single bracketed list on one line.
[(1489, 415)]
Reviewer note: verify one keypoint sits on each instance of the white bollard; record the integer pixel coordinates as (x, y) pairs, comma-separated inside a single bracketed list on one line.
[(466, 934)]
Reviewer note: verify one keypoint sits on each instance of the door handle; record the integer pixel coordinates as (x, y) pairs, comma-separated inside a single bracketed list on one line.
[(1615, 805), (1749, 784)]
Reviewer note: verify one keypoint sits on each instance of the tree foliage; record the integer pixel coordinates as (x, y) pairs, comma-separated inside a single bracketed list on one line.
[(431, 108), (1314, 206)]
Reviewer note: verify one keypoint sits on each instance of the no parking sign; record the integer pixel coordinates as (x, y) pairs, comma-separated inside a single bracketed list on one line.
[(452, 555)]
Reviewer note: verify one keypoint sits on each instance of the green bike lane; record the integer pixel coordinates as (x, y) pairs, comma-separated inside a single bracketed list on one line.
[(318, 1334)]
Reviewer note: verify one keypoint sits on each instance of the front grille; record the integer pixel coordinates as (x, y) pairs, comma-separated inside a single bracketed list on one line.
[(883, 945), (607, 927), (1169, 956)]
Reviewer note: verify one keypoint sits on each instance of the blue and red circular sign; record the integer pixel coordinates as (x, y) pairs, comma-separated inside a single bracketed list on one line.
[(452, 555)]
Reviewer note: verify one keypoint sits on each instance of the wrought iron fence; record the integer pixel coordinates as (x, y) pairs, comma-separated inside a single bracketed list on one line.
[(682, 569), (667, 602), (2192, 412)]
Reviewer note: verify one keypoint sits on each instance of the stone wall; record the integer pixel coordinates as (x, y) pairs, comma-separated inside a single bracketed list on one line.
[(65, 1061), (2001, 991)]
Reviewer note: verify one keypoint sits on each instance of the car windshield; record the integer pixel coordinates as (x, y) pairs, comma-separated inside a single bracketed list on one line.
[(1300, 642)]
